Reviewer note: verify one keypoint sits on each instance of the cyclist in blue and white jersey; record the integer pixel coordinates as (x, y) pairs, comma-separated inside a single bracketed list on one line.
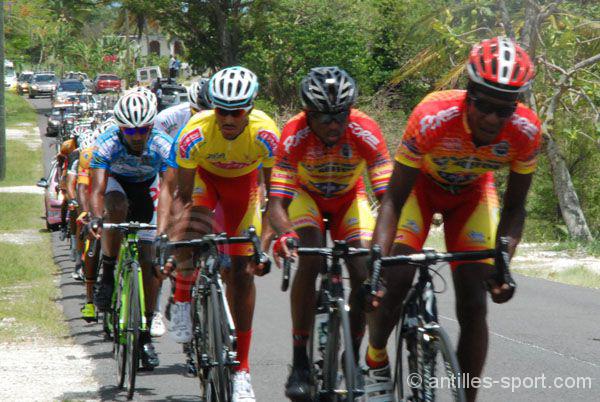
[(124, 170)]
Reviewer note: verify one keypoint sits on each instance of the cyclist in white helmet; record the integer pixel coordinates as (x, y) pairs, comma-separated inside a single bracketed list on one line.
[(221, 193), (126, 161)]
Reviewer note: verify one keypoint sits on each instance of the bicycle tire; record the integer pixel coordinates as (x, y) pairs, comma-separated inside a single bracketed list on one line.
[(200, 336), (398, 373), (331, 360), (349, 366), (119, 349), (450, 362), (133, 329), (220, 372)]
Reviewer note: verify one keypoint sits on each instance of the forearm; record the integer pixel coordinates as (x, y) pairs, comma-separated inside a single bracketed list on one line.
[(512, 222), (84, 201), (97, 204), (278, 216), (165, 200), (71, 186), (385, 232)]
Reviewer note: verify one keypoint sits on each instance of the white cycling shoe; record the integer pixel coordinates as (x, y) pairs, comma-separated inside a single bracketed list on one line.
[(379, 386), (242, 388), (157, 327)]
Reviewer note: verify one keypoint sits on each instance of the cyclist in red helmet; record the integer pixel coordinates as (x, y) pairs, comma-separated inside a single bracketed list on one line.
[(453, 142)]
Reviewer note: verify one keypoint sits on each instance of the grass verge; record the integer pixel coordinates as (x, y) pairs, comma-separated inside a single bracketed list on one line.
[(18, 110), (578, 276), (27, 272)]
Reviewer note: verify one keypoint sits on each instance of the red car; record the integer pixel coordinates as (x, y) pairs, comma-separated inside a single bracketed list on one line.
[(53, 198), (106, 83)]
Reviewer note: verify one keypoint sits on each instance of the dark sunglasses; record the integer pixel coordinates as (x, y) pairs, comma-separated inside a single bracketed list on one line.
[(327, 118), (136, 130), (487, 107), (227, 112)]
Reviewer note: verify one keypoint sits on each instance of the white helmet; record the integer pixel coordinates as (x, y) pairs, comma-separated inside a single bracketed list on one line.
[(145, 91), (134, 110), (233, 88), (197, 94), (89, 138)]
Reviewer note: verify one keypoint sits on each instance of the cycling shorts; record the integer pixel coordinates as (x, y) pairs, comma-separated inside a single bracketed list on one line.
[(142, 198), (350, 216), (471, 215), (235, 202)]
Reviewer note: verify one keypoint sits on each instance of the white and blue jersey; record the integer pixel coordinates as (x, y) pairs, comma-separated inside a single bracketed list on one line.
[(111, 154), (173, 119)]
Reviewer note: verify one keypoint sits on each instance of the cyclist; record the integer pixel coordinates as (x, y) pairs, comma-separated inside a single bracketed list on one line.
[(323, 153), (171, 121), (124, 171), (452, 143), (87, 146), (219, 154)]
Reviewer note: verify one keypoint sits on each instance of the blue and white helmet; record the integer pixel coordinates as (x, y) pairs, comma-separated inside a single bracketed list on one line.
[(233, 88), (197, 94)]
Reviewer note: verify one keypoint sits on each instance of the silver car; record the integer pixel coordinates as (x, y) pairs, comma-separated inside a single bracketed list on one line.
[(42, 84)]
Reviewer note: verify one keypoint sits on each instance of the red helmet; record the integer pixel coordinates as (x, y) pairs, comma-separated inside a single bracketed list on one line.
[(501, 64)]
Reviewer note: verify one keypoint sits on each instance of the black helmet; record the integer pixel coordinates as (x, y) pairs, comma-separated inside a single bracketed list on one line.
[(328, 90)]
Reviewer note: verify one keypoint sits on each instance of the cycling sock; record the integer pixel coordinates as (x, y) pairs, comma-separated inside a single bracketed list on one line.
[(183, 286), (300, 354), (376, 358), (108, 268), (243, 350)]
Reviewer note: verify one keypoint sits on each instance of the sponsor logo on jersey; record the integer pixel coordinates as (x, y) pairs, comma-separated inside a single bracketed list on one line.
[(368, 137), (412, 225), (231, 165), (188, 141), (434, 121), (295, 139), (476, 237), (269, 139), (501, 148), (452, 144), (328, 188), (346, 151), (525, 126)]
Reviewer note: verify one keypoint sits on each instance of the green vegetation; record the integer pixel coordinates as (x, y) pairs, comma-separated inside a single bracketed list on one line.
[(18, 110), (27, 276), (578, 276)]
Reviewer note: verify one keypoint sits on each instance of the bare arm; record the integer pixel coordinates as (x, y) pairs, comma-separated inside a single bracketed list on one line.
[(99, 179), (399, 188), (512, 217), (71, 186), (83, 197), (165, 199), (185, 188)]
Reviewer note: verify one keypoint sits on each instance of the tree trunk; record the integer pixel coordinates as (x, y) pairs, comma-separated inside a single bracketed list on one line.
[(565, 192)]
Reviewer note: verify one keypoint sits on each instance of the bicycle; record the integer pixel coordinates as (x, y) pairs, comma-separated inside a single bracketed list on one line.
[(213, 336), (331, 301), (419, 329), (127, 317)]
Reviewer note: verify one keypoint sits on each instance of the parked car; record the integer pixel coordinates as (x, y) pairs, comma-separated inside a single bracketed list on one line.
[(42, 84), (170, 95), (107, 83), (67, 88), (23, 82), (57, 117), (53, 198), (83, 77)]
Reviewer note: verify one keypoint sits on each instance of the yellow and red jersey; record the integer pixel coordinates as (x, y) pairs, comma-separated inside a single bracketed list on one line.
[(201, 144), (83, 170), (303, 160), (438, 141)]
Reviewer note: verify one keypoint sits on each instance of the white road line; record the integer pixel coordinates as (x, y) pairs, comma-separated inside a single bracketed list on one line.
[(533, 346)]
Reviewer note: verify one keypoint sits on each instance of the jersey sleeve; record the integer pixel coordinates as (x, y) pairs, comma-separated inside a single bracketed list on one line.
[(529, 127), (413, 145), (101, 156), (267, 139), (188, 146), (164, 145), (283, 175), (374, 151)]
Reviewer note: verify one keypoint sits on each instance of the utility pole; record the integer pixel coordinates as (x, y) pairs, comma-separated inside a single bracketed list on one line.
[(2, 114)]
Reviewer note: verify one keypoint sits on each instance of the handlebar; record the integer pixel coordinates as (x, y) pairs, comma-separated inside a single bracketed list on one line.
[(340, 250), (128, 227)]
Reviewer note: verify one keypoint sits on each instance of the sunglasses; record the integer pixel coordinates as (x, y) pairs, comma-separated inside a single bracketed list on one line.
[(136, 130), (487, 107), (327, 118), (234, 112)]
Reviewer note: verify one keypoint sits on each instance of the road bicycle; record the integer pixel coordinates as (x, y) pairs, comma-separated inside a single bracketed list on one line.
[(331, 331), (213, 336), (127, 316), (426, 363)]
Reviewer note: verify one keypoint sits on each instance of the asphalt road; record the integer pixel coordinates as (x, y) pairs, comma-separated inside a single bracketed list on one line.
[(544, 345)]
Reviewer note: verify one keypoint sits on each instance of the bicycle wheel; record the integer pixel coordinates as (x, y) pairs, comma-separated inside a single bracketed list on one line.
[(433, 370), (119, 344), (331, 360), (133, 329), (200, 336), (350, 370), (220, 377)]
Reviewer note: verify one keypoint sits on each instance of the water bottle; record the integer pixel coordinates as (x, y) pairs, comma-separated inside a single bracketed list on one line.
[(321, 320)]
